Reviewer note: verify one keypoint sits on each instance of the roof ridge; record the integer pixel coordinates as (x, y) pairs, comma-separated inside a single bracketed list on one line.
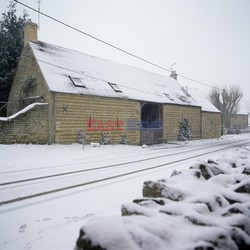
[(82, 53)]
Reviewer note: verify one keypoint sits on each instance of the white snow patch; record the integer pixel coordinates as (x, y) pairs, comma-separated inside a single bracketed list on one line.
[(53, 222), (26, 109), (201, 214)]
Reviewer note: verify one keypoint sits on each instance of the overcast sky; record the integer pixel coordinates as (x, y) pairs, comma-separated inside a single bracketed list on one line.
[(209, 40)]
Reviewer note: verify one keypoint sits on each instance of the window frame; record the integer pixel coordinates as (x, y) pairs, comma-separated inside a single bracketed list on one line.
[(115, 87), (74, 79), (169, 97)]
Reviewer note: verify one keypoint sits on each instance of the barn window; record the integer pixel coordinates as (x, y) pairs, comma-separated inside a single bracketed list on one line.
[(169, 97), (115, 87), (77, 82)]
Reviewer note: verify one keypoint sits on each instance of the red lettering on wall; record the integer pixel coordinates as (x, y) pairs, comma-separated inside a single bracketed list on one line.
[(90, 125), (110, 126)]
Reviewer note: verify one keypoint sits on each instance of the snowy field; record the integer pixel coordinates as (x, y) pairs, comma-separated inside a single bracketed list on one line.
[(97, 180)]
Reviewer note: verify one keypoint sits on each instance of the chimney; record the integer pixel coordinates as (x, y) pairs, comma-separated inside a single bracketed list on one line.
[(30, 32), (173, 74)]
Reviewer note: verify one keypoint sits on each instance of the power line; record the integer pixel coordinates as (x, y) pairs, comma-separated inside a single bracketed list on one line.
[(201, 83), (5, 105), (93, 37), (110, 45)]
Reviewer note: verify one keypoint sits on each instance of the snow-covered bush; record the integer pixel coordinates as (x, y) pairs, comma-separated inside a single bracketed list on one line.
[(81, 137), (124, 139), (105, 138)]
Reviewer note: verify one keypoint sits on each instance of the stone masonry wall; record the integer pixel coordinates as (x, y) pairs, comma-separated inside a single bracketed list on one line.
[(72, 113), (29, 127), (22, 92), (211, 125), (172, 115), (239, 121)]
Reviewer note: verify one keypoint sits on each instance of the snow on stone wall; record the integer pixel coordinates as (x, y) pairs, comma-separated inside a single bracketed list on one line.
[(30, 125), (204, 207)]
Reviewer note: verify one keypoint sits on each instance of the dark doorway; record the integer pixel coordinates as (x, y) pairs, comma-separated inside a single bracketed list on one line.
[(151, 123)]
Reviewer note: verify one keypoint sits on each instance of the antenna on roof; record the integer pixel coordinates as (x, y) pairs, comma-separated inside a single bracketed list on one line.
[(173, 72), (171, 66), (39, 4)]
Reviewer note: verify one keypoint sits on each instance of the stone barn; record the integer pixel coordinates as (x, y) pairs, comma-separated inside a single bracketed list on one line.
[(239, 121), (210, 115), (58, 92)]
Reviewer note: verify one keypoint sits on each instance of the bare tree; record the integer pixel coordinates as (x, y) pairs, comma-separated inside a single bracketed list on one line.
[(227, 101)]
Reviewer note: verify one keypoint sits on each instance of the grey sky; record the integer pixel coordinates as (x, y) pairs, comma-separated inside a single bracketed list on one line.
[(207, 39)]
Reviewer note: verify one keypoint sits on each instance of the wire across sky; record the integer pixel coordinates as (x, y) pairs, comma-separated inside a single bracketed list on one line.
[(113, 46)]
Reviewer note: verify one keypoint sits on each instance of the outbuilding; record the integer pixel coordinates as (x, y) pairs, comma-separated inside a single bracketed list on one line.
[(58, 93)]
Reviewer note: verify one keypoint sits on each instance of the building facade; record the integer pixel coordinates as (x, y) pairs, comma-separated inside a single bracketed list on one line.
[(58, 93), (238, 121)]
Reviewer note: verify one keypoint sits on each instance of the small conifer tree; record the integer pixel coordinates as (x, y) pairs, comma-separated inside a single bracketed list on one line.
[(185, 132)]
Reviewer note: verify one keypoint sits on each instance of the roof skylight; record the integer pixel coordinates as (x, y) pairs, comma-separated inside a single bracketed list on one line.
[(184, 99), (169, 97), (77, 82), (115, 87)]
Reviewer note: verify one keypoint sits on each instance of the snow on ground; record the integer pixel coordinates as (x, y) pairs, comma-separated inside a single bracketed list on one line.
[(205, 206), (54, 221), (26, 156)]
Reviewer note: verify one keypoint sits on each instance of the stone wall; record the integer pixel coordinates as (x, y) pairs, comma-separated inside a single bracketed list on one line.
[(73, 112), (172, 115), (211, 125), (29, 85), (239, 122), (29, 127)]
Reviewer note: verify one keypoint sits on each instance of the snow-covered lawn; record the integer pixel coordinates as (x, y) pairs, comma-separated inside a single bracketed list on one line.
[(53, 221)]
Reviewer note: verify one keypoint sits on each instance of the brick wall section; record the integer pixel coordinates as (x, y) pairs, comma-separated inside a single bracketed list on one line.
[(172, 115), (73, 111), (211, 125), (29, 127)]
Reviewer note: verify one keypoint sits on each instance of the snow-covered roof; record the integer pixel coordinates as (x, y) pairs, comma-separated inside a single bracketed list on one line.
[(58, 63), (243, 110), (202, 100)]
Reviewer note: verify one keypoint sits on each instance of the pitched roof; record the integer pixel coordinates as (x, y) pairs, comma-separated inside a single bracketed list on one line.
[(58, 63), (202, 100), (244, 110)]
